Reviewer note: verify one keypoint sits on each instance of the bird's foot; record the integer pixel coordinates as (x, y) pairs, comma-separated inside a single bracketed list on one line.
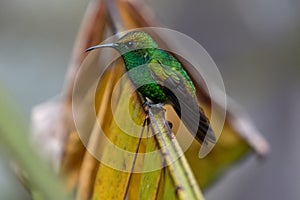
[(148, 105)]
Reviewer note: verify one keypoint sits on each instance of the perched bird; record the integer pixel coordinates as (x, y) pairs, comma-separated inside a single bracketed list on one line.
[(161, 79)]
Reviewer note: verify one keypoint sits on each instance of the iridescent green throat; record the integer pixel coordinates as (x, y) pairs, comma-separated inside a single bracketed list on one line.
[(140, 74)]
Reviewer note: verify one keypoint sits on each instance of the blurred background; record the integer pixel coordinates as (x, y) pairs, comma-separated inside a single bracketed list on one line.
[(255, 44)]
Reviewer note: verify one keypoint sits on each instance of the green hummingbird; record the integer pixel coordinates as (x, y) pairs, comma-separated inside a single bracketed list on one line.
[(161, 79)]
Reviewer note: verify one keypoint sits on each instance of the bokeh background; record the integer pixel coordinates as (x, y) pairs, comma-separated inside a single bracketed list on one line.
[(255, 44)]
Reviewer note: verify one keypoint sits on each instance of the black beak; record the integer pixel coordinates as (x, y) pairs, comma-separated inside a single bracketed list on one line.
[(112, 45)]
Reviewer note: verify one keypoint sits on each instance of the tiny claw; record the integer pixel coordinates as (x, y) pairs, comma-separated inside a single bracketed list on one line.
[(146, 105)]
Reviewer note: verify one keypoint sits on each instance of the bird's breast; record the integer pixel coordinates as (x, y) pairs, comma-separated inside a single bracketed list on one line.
[(146, 84)]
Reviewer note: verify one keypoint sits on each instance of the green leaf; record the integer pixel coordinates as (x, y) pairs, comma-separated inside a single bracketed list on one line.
[(13, 135)]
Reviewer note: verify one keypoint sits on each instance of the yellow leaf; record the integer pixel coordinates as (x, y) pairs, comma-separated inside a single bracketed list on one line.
[(112, 181)]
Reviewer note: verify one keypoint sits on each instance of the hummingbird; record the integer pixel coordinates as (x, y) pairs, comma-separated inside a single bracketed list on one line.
[(162, 80)]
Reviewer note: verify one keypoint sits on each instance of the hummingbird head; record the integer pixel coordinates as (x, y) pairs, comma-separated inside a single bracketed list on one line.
[(135, 40), (130, 42)]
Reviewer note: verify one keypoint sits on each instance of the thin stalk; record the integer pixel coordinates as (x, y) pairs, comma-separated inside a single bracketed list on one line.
[(180, 171)]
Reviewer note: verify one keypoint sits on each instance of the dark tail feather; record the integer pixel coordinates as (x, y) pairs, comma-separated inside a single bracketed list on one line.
[(192, 116), (191, 119)]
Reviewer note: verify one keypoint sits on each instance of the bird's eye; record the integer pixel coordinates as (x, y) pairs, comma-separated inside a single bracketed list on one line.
[(129, 44)]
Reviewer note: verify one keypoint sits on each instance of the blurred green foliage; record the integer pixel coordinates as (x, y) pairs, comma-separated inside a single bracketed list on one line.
[(14, 142)]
